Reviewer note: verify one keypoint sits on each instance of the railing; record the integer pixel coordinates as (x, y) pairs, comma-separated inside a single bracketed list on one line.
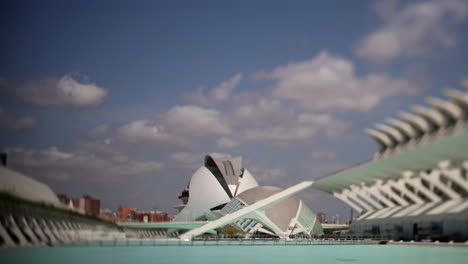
[(236, 241)]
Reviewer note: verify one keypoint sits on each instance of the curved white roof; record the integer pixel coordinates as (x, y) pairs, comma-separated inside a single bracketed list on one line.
[(442, 116), (25, 187), (213, 185), (205, 193)]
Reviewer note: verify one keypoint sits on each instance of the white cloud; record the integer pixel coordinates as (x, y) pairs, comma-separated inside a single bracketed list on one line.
[(227, 143), (323, 155), (263, 111), (268, 175), (303, 128), (323, 122), (220, 155), (328, 82), (99, 131), (178, 127), (146, 131), (218, 94), (280, 135), (186, 160), (9, 121), (415, 29), (63, 91), (385, 8), (60, 165), (191, 120)]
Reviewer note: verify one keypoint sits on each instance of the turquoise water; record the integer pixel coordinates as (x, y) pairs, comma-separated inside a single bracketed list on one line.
[(238, 254)]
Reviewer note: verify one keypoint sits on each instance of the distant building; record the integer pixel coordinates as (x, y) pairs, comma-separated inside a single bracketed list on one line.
[(125, 213), (150, 216), (321, 217), (91, 206), (129, 214), (85, 205), (108, 215)]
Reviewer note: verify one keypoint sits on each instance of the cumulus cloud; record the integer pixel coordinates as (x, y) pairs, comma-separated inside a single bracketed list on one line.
[(57, 164), (264, 110), (303, 129), (99, 131), (220, 155), (218, 94), (323, 155), (9, 121), (186, 160), (227, 143), (191, 120), (268, 175), (177, 127), (64, 91), (329, 82), (414, 30), (147, 131)]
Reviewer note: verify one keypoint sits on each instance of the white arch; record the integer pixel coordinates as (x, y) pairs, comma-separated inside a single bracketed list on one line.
[(394, 133), (380, 138), (457, 96), (433, 115), (446, 107), (353, 195), (345, 199), (403, 127), (417, 121)]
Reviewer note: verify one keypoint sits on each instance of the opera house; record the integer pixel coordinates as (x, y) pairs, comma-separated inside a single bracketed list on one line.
[(222, 187)]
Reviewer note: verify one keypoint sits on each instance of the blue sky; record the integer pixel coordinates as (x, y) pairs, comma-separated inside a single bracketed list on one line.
[(121, 100)]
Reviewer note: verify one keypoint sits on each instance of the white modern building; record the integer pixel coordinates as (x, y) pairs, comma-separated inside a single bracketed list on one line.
[(226, 195), (416, 185), (212, 186), (27, 188)]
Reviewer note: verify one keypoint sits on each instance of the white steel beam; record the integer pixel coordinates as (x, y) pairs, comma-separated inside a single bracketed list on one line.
[(352, 195), (455, 175), (366, 195), (434, 178), (377, 193), (387, 189), (419, 187), (400, 185), (345, 199)]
